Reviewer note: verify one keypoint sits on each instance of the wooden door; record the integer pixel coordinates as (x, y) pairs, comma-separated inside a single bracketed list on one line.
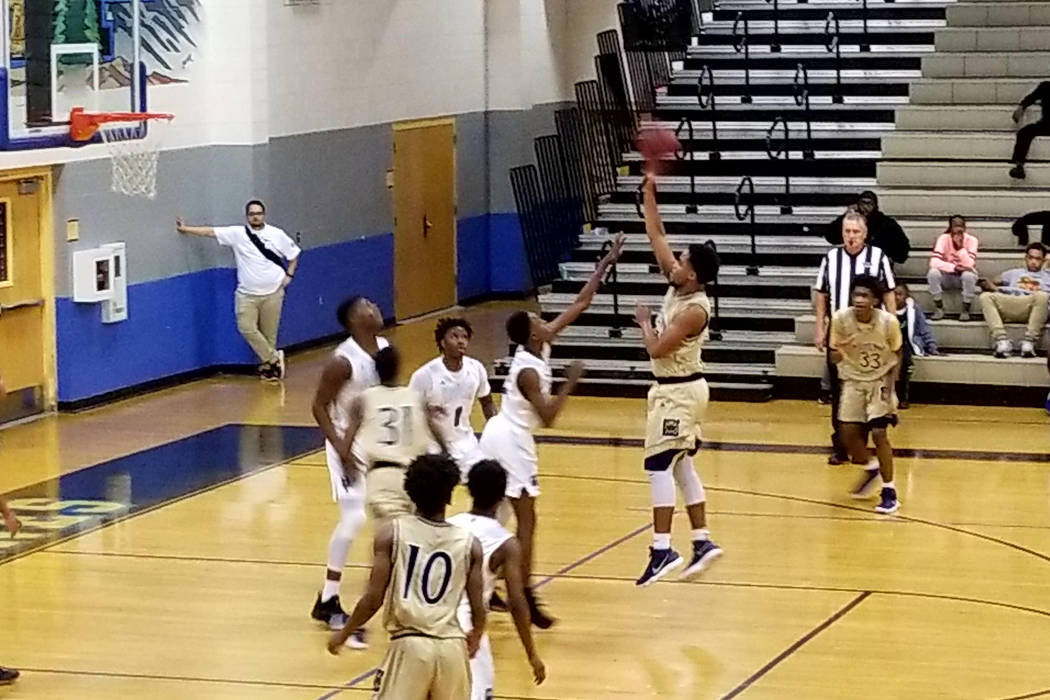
[(424, 217), (23, 360)]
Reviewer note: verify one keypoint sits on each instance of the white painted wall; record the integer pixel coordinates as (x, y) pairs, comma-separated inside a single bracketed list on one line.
[(351, 63), (264, 69)]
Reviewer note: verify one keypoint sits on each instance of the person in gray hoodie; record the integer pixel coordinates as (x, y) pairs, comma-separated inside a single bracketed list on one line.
[(1020, 295)]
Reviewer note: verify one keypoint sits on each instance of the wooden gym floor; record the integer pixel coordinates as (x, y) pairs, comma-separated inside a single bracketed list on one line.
[(174, 544)]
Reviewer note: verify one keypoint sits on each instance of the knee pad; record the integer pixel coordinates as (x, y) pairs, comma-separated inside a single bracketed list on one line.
[(351, 518), (689, 482), (662, 485)]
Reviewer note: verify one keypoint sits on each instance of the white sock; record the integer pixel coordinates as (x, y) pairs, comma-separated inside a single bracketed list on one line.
[(888, 485), (331, 590), (661, 540), (701, 534), (873, 464)]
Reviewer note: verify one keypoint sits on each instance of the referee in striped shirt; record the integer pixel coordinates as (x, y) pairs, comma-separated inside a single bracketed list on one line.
[(834, 286)]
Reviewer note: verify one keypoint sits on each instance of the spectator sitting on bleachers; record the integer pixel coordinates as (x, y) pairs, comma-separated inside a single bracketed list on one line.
[(1032, 218), (953, 265), (1020, 295), (918, 339), (883, 231), (1026, 134)]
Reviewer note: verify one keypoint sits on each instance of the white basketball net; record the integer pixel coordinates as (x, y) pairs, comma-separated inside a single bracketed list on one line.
[(134, 159)]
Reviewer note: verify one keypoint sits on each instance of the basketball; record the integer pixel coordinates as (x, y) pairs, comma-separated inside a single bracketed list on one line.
[(655, 145)]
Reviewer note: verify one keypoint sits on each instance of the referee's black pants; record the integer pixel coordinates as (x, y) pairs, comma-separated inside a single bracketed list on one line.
[(837, 448)]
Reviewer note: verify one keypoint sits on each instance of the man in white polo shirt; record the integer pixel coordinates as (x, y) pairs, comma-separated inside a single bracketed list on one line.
[(266, 260)]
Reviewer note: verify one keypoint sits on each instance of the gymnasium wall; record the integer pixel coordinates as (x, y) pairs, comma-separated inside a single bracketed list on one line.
[(295, 105)]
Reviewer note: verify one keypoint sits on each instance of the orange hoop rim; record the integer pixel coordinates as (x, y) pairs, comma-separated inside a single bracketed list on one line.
[(84, 125)]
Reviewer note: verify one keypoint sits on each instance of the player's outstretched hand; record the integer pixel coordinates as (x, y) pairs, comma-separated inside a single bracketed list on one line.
[(614, 252), (13, 524), (574, 372), (642, 314), (335, 643), (539, 671), (180, 226)]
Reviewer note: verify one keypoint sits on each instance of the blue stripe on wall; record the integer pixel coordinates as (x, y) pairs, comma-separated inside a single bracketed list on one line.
[(508, 266), (186, 323)]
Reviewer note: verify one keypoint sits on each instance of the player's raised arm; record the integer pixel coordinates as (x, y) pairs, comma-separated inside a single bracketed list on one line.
[(372, 600), (583, 299), (548, 407), (476, 597), (654, 227), (508, 559), (336, 373)]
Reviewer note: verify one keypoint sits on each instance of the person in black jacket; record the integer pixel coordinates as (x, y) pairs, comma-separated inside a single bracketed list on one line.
[(1026, 134), (883, 231), (1033, 218)]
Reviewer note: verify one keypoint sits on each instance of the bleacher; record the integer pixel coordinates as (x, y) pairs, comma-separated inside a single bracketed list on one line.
[(785, 112)]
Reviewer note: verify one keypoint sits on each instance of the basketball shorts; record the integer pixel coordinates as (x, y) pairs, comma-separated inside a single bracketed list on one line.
[(868, 402), (467, 453), (482, 667), (341, 489), (423, 668), (385, 493), (675, 415), (515, 449)]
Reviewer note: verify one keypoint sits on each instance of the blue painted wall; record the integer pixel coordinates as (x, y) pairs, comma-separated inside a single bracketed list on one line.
[(186, 323)]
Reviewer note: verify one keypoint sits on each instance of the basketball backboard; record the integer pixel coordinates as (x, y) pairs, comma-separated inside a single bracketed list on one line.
[(61, 54)]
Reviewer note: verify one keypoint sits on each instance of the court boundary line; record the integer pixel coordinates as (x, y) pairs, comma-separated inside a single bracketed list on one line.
[(564, 574), (784, 448), (1036, 694), (164, 677), (841, 506), (350, 685), (799, 643)]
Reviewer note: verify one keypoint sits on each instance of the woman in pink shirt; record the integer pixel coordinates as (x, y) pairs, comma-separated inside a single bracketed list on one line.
[(953, 265)]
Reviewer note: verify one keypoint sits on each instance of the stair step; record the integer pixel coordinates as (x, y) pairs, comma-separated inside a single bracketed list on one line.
[(967, 369), (1019, 64), (757, 308), (763, 184), (953, 146), (1013, 38), (949, 333), (993, 13), (977, 203), (971, 91), (976, 174)]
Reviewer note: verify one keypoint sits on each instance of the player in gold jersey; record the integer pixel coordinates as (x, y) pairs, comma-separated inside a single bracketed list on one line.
[(422, 566), (678, 400), (390, 425), (866, 347)]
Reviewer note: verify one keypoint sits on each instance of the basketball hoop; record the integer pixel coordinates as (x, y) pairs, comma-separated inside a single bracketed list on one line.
[(133, 155)]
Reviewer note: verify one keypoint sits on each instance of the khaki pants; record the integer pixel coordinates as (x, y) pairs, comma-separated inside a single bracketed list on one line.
[(257, 319), (1014, 308)]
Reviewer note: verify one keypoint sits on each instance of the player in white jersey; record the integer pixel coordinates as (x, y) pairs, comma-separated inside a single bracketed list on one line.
[(350, 371), (501, 553), (421, 568), (678, 400), (453, 382), (527, 404), (390, 426)]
